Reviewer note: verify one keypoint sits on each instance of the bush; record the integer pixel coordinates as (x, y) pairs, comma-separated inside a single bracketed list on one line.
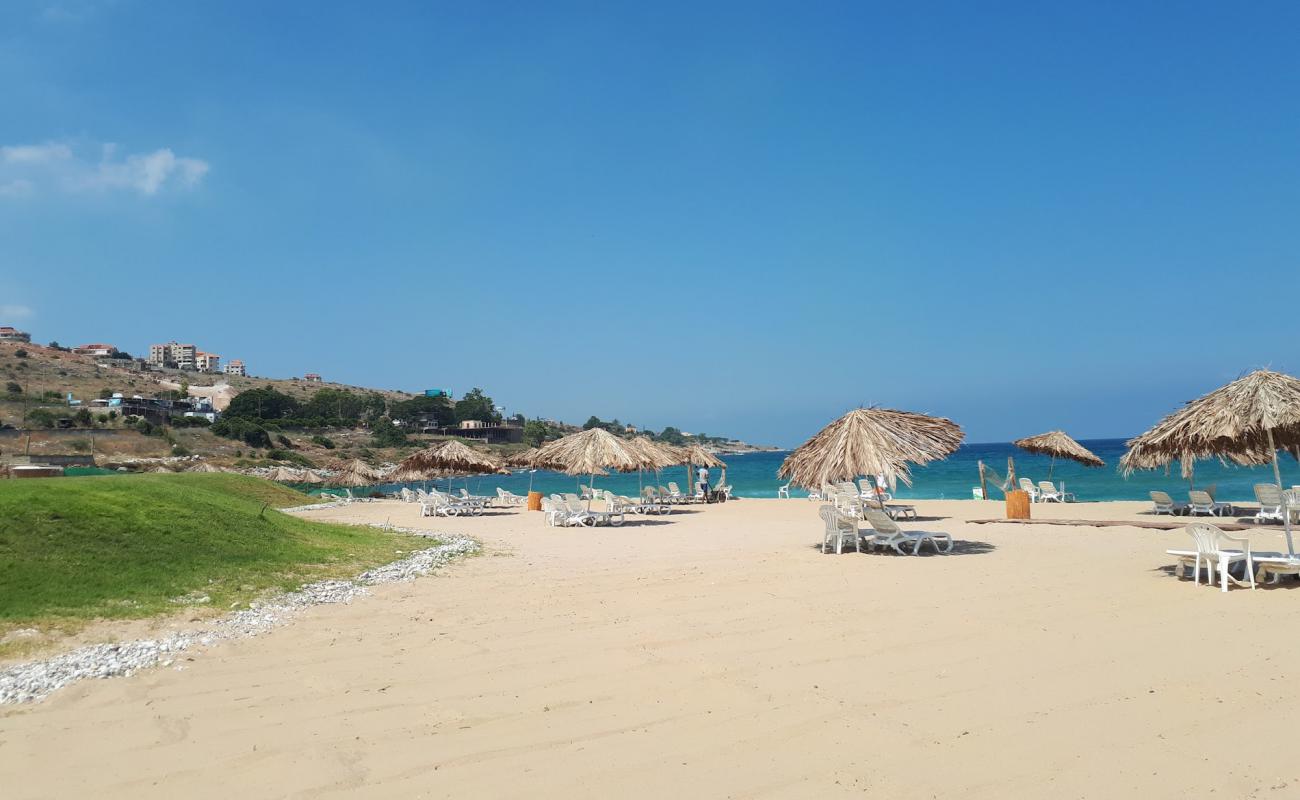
[(20, 353), (83, 418), (180, 450), (284, 441), (103, 419), (291, 456), (13, 387), (41, 418), (323, 441), (386, 434)]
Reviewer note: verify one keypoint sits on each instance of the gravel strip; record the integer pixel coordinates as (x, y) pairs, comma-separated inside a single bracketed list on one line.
[(35, 680)]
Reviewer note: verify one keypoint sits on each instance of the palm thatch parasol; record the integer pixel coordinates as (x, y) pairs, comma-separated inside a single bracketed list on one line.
[(524, 458), (871, 441), (285, 475), (311, 476), (449, 458), (1059, 444), (1245, 421), (161, 469), (204, 466), (590, 451), (355, 473), (696, 456)]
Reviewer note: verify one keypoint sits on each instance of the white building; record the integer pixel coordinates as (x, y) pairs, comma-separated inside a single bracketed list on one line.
[(235, 367)]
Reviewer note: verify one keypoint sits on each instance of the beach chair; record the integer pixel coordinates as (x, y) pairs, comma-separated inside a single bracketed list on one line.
[(1210, 541), (556, 513), (508, 498), (783, 492), (675, 492), (1202, 503), (1048, 493), (848, 503), (839, 529), (1028, 486), (1164, 504), (1270, 503), (888, 534)]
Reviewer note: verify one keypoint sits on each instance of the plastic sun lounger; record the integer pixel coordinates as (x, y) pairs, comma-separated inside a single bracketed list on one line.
[(888, 534)]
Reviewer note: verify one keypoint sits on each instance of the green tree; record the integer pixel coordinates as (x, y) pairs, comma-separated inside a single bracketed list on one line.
[(20, 353), (385, 434), (265, 403), (83, 418), (409, 412), (477, 406), (671, 435), (535, 432), (13, 387), (592, 422), (105, 393)]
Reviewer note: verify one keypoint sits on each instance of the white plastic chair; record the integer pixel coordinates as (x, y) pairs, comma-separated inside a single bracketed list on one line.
[(1028, 486), (1270, 503), (783, 492), (839, 529), (1164, 504), (1209, 549)]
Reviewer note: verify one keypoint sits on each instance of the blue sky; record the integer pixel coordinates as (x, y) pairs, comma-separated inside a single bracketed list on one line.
[(739, 218)]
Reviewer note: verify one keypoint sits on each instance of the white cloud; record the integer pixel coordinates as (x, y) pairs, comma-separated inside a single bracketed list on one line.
[(35, 153), (16, 313), (57, 166)]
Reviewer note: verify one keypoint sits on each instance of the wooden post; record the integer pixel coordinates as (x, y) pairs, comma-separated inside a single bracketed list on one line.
[(1011, 471), (984, 487)]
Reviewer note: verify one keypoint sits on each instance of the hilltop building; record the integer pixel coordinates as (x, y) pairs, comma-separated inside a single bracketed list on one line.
[(207, 362), (312, 377), (173, 355), (235, 367), (97, 350), (8, 334)]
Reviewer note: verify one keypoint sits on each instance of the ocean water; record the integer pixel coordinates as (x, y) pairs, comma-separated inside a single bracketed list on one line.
[(754, 475)]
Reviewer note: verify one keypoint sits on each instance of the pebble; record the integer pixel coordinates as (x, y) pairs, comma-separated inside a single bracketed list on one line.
[(35, 680)]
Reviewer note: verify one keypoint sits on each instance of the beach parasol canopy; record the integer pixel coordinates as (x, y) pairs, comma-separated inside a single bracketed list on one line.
[(1245, 422), (871, 441), (450, 457), (355, 473), (584, 453), (695, 456), (285, 475), (311, 476), (204, 466), (1059, 444)]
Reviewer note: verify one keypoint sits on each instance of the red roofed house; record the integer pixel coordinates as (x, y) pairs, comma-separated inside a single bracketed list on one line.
[(95, 350)]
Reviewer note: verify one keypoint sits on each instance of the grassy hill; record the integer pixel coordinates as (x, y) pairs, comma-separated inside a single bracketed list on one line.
[(77, 549)]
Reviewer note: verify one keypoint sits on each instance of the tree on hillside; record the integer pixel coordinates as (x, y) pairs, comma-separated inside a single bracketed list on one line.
[(263, 403), (536, 432), (592, 422), (436, 409), (477, 406), (671, 435), (386, 434)]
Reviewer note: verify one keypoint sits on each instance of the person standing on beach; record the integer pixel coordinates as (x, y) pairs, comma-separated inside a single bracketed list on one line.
[(702, 482)]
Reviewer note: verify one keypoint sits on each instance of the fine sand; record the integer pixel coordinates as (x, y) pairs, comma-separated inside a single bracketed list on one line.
[(719, 653)]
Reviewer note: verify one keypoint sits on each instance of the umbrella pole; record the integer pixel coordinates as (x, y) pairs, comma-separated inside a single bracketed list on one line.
[(1286, 509), (1051, 467)]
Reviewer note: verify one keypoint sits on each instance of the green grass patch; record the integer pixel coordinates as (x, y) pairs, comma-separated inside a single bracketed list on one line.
[(77, 549)]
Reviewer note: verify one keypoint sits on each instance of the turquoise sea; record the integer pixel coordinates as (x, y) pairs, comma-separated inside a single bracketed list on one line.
[(754, 475)]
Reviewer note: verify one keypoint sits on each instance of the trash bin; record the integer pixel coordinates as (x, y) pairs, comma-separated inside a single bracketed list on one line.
[(534, 501), (1017, 504)]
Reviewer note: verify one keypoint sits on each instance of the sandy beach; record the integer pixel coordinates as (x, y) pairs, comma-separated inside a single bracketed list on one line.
[(718, 653)]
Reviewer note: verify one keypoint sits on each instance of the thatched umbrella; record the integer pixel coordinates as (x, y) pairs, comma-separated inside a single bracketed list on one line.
[(1245, 421), (285, 475), (204, 466), (450, 458), (655, 456), (590, 451), (355, 473), (528, 460), (696, 456), (871, 441), (311, 476), (1058, 444)]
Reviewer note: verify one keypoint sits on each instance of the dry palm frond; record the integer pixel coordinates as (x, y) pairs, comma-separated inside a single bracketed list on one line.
[(1244, 422), (285, 475), (204, 466), (702, 458), (656, 455), (1058, 444), (871, 441), (589, 451), (452, 457), (355, 473)]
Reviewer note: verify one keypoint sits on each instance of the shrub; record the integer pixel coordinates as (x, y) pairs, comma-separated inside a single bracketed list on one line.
[(284, 441), (83, 418), (386, 434), (41, 418), (20, 353), (180, 450), (13, 387), (323, 441)]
